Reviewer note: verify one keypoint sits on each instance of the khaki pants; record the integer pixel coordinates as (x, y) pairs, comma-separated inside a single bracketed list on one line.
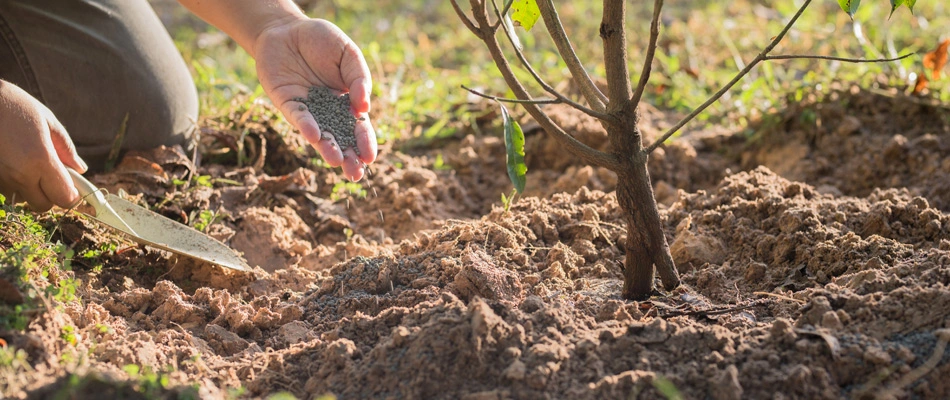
[(94, 61)]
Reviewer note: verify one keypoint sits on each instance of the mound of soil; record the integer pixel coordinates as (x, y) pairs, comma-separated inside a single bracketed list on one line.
[(819, 270)]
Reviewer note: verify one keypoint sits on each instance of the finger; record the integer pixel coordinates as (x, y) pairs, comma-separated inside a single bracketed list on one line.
[(58, 187), (65, 149), (36, 198), (359, 95), (357, 77), (299, 116), (366, 139), (352, 166)]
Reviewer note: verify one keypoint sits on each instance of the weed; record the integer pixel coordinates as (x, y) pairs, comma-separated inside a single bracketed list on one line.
[(509, 200), (345, 189), (205, 218), (439, 164), (667, 388)]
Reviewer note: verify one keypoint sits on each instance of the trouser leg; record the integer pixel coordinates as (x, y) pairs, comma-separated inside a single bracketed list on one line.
[(92, 62)]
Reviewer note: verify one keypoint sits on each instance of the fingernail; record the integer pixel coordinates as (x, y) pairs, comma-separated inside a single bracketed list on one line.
[(82, 164)]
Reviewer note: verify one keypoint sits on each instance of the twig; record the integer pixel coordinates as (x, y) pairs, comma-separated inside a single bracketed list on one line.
[(832, 58), (714, 311), (779, 296), (574, 146), (943, 336), (548, 88), (552, 21), (465, 20), (504, 11), (507, 100), (651, 52), (763, 56), (768, 49)]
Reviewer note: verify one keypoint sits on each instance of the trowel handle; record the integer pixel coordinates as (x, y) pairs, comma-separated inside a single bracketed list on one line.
[(84, 186), (90, 193)]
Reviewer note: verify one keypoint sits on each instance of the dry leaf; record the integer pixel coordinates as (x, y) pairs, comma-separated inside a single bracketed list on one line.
[(935, 60), (921, 84)]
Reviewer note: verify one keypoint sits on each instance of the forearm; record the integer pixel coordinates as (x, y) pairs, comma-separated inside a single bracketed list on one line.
[(244, 20)]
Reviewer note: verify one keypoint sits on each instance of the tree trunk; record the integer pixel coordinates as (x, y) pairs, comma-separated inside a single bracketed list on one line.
[(646, 244)]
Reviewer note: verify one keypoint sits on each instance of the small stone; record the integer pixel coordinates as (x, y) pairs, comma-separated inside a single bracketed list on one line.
[(516, 371), (294, 332), (726, 385), (831, 321), (877, 355)]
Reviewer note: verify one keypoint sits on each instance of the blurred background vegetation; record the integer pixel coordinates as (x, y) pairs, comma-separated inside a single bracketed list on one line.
[(420, 54)]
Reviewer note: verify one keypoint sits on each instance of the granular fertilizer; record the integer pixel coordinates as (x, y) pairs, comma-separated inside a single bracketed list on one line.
[(333, 115)]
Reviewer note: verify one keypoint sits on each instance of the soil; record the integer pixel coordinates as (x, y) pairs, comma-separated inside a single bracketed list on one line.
[(814, 248)]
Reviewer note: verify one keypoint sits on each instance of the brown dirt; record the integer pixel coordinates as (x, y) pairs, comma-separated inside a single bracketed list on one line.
[(815, 256)]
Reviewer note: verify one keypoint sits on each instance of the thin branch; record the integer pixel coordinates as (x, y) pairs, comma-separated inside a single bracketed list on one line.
[(548, 88), (552, 21), (768, 49), (465, 20), (773, 58), (503, 12), (714, 311), (570, 143), (507, 100), (651, 52), (832, 58)]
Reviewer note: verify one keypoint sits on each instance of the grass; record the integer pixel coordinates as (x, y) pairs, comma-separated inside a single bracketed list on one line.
[(420, 53)]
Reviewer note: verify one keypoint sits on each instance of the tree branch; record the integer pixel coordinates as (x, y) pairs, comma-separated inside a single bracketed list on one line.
[(762, 56), (507, 100), (574, 146), (465, 20), (547, 88), (552, 21), (504, 11), (832, 58), (651, 52), (615, 55)]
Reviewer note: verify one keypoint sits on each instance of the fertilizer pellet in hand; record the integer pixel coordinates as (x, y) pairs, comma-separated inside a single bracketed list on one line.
[(333, 115)]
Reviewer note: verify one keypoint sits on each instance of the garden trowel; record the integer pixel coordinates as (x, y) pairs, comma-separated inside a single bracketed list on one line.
[(153, 229)]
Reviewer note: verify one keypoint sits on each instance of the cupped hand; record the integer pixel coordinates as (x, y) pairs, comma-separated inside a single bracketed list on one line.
[(34, 152), (298, 54)]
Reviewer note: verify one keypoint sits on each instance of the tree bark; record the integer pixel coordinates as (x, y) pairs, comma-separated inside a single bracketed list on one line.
[(646, 244)]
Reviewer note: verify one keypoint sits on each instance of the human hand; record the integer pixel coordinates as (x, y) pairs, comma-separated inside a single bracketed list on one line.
[(34, 152), (300, 53)]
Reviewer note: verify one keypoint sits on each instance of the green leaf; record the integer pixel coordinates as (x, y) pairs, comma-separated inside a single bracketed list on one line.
[(894, 5), (849, 6), (514, 145), (910, 4), (525, 13)]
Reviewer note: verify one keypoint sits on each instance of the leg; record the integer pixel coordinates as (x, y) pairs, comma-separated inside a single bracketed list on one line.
[(94, 61)]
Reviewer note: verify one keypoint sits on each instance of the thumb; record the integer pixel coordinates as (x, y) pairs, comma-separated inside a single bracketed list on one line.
[(65, 149)]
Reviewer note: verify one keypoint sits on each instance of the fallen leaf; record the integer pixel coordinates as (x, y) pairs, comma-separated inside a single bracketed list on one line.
[(921, 84), (935, 60)]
